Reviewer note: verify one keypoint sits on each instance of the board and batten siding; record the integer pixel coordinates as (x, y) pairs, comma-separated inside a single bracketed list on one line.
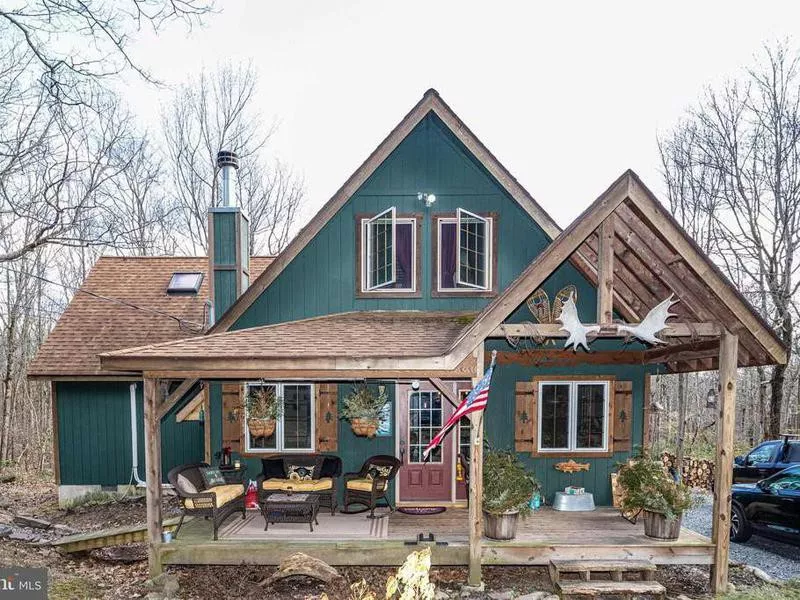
[(322, 278), (499, 424), (94, 434)]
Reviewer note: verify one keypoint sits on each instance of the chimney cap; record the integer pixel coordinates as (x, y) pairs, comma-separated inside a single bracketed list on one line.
[(226, 158)]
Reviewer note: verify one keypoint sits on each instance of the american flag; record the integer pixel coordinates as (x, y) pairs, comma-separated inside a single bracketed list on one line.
[(475, 400)]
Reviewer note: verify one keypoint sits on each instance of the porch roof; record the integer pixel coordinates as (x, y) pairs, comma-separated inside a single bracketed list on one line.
[(352, 340)]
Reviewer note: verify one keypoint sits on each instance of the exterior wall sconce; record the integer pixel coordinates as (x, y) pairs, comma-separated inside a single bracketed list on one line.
[(429, 199)]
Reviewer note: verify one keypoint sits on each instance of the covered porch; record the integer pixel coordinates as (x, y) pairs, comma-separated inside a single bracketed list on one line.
[(546, 535)]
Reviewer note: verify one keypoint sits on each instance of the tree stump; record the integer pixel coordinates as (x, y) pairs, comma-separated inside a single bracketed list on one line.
[(299, 564)]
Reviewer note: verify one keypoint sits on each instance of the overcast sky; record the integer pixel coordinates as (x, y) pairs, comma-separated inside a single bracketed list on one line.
[(566, 95)]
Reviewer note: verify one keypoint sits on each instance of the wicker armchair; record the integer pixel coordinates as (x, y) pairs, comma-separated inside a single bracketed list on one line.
[(217, 502), (371, 483)]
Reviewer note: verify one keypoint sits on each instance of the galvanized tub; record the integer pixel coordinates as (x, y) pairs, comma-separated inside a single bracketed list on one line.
[(573, 502)]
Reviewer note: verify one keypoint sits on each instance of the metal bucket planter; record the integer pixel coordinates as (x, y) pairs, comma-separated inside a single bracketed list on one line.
[(261, 427), (502, 526), (364, 427), (657, 526)]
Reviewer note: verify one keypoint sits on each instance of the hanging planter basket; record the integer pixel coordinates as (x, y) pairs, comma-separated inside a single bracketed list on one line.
[(261, 427), (364, 427)]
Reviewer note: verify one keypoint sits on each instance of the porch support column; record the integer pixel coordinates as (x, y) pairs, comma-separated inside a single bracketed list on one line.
[(476, 483), (152, 445), (605, 271), (723, 470)]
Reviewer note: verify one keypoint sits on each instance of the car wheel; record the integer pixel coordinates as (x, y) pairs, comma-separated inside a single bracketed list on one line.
[(740, 526)]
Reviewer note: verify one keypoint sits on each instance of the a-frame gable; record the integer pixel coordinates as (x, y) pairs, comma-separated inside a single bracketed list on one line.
[(653, 257), (431, 102)]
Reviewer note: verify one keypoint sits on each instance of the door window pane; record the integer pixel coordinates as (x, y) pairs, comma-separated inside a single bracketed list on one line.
[(424, 422), (555, 416), (591, 415)]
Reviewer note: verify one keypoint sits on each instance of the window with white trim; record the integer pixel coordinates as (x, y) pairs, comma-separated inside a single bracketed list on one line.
[(465, 253), (294, 427), (388, 253), (573, 416)]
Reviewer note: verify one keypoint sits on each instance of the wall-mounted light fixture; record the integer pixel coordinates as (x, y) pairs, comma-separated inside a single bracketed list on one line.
[(428, 198), (415, 384)]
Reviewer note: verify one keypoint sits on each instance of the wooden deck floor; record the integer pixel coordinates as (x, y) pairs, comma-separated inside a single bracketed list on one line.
[(546, 535)]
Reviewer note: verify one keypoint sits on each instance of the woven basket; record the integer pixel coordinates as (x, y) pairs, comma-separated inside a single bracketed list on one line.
[(261, 427), (364, 427)]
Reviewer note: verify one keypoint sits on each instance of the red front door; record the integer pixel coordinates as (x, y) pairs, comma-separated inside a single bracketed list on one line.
[(421, 415)]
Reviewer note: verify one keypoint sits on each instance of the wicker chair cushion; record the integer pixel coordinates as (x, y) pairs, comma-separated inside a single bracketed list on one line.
[(312, 485), (364, 485), (185, 485), (224, 494)]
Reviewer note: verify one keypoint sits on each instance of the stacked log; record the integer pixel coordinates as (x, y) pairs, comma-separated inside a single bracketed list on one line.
[(696, 472)]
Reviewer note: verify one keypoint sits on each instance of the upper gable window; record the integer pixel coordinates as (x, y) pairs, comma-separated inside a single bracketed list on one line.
[(465, 253), (185, 283), (388, 253)]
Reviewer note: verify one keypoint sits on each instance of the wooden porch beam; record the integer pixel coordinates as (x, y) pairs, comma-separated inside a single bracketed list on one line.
[(175, 397), (605, 271), (553, 330), (445, 390), (723, 471), (152, 453), (476, 481)]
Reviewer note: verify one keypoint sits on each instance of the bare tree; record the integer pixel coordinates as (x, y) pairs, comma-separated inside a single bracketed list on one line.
[(73, 44), (732, 168), (214, 112)]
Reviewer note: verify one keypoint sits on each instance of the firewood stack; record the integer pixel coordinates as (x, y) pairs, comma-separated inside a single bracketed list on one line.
[(697, 472)]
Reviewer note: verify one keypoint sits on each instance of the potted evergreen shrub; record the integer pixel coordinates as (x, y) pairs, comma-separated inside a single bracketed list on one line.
[(507, 490), (263, 409), (646, 487), (363, 407)]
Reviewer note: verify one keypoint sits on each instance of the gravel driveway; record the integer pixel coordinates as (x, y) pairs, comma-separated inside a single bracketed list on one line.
[(772, 556)]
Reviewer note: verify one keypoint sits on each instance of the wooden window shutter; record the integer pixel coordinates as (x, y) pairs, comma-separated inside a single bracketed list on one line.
[(623, 416), (232, 416), (525, 417), (327, 417)]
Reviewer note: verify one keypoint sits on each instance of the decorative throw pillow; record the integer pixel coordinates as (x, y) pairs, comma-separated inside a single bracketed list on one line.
[(212, 476), (186, 484), (378, 471), (300, 472)]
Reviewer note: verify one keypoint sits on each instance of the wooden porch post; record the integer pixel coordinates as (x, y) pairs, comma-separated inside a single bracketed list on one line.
[(152, 444), (723, 475), (476, 483)]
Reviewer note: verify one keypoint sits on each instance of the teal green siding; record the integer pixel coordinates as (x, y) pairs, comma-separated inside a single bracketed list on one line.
[(499, 424), (322, 278), (225, 238), (224, 289), (94, 434)]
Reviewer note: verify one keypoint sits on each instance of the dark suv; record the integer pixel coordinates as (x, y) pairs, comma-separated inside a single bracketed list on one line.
[(767, 459), (771, 506)]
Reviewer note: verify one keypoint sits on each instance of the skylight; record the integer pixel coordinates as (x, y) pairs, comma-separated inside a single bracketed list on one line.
[(185, 283)]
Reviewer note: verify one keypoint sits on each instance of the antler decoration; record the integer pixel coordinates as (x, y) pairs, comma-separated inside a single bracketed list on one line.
[(572, 324), (655, 321)]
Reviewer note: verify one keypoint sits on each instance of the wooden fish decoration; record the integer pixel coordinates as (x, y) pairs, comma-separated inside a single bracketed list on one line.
[(571, 466)]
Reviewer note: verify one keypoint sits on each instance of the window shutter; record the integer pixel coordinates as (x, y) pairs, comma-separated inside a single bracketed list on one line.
[(623, 416), (327, 417), (232, 415), (525, 417)]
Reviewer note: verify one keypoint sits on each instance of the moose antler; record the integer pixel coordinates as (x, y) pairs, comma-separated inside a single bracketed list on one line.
[(572, 324), (655, 321)]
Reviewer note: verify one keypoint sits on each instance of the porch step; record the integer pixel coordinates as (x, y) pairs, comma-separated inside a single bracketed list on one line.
[(626, 589), (616, 568)]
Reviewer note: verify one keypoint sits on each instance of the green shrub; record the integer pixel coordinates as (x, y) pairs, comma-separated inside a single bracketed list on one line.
[(507, 484), (648, 487)]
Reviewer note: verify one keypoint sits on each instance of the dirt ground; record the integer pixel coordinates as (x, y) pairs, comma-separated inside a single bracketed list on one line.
[(99, 575)]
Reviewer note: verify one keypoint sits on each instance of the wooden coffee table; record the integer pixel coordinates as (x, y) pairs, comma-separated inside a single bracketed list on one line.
[(290, 508)]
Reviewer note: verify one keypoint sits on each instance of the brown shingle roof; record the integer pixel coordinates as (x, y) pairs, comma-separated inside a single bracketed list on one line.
[(370, 334), (90, 325)]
